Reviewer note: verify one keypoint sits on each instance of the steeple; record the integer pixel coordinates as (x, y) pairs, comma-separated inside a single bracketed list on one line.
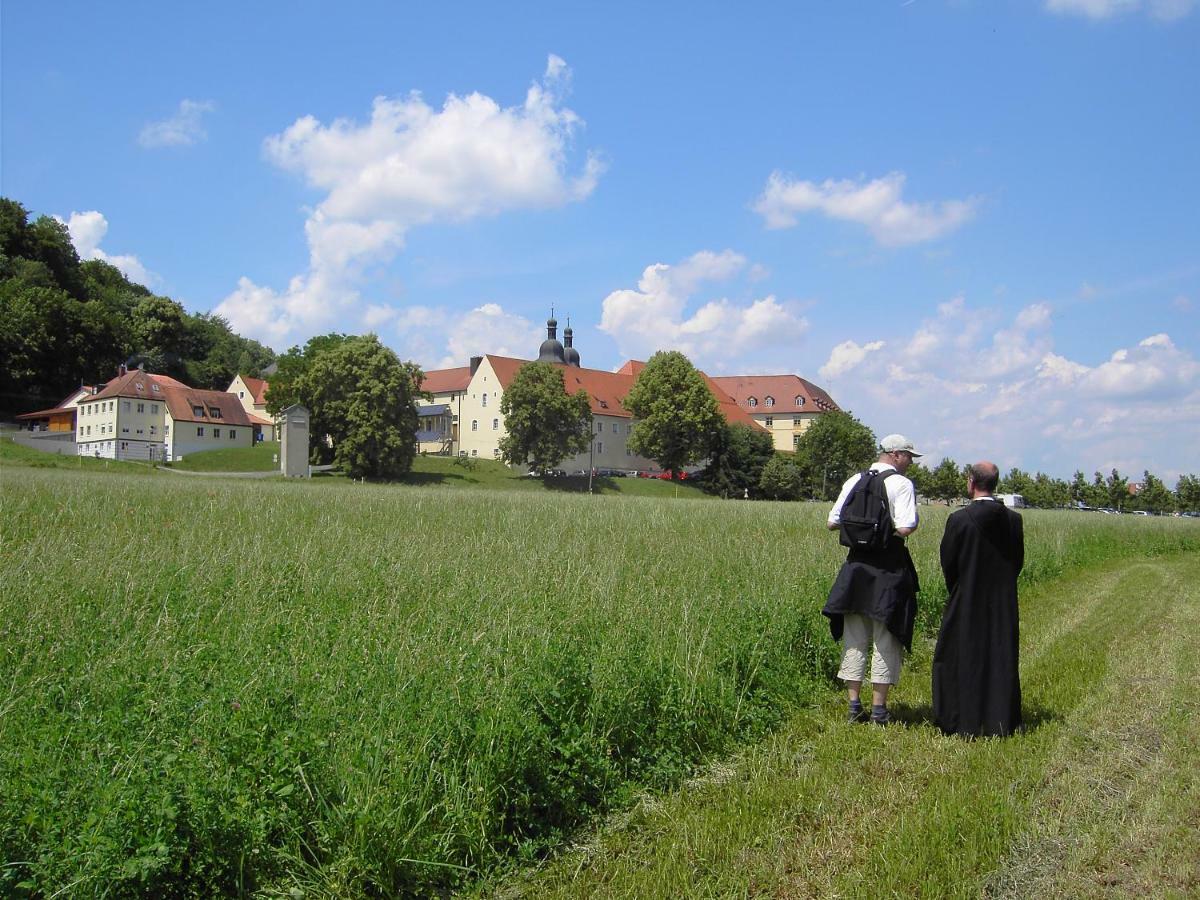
[(569, 352), (551, 350)]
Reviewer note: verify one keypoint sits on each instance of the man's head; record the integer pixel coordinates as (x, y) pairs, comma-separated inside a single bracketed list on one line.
[(897, 450), (982, 478)]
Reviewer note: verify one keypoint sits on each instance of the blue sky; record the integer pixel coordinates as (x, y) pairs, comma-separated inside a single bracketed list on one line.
[(973, 223)]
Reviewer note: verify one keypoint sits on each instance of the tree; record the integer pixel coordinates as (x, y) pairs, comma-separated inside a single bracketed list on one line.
[(362, 396), (833, 448), (736, 460), (1079, 488), (1154, 496), (780, 480), (947, 481), (1117, 487), (1187, 493), (544, 423), (677, 418), (293, 366)]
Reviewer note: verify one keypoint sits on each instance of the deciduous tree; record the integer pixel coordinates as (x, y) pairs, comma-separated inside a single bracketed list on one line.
[(677, 418), (543, 423), (736, 460), (780, 480), (833, 448)]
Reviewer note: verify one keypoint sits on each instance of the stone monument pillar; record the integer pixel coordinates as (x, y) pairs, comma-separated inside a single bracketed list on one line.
[(293, 446)]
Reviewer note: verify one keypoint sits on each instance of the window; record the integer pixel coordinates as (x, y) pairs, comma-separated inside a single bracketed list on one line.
[(599, 446), (152, 429), (197, 410), (232, 434), (166, 430), (89, 431), (199, 431), (139, 387), (154, 407), (495, 424), (795, 442), (599, 428), (797, 421), (752, 402), (474, 424), (616, 428), (241, 395), (214, 413), (770, 402), (141, 407), (125, 405), (125, 429), (216, 432), (474, 452), (496, 452), (140, 431), (154, 387), (799, 400), (770, 421), (485, 399)]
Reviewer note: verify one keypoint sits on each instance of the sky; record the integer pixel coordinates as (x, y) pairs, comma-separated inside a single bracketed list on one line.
[(976, 224)]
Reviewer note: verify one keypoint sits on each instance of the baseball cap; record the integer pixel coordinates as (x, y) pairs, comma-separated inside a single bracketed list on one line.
[(898, 442)]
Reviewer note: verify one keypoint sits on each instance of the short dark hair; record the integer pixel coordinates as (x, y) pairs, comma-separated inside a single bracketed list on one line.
[(985, 476)]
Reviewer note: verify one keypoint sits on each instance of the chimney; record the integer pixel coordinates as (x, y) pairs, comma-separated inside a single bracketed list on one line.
[(475, 361), (122, 369)]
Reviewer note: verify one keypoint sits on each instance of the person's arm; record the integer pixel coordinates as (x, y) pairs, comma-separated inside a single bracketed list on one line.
[(948, 552), (834, 522), (904, 505), (1019, 539)]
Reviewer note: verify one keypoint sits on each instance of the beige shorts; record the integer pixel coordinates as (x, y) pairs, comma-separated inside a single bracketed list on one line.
[(860, 633)]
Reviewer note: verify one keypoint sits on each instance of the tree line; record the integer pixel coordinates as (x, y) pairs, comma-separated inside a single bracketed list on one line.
[(66, 322)]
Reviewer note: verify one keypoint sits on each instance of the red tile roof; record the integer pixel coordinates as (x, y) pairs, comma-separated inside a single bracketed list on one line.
[(178, 397), (258, 388), (607, 390), (783, 388), (440, 381)]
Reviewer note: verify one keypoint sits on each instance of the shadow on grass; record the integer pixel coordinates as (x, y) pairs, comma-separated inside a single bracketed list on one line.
[(578, 484), (909, 715), (427, 478)]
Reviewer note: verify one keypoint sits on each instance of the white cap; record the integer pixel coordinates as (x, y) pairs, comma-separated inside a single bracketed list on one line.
[(898, 442)]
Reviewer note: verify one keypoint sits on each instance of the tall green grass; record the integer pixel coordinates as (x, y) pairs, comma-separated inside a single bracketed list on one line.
[(234, 687)]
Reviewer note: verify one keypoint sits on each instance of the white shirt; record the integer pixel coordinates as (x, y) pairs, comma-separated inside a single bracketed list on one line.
[(902, 498)]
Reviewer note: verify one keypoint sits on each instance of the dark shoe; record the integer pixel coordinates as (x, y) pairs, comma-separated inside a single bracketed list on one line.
[(883, 718), (858, 716)]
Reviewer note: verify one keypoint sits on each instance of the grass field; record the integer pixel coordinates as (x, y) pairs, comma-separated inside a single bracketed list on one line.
[(217, 686)]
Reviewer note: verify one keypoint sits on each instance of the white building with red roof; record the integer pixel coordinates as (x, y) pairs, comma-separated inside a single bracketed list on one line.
[(785, 405), (252, 394), (468, 399), (138, 415)]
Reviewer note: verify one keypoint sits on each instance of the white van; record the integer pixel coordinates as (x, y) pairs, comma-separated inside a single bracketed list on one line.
[(1014, 501)]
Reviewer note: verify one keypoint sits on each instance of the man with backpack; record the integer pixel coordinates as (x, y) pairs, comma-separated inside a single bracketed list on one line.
[(873, 602)]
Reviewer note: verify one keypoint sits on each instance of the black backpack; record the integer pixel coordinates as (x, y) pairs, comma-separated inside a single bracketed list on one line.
[(866, 519)]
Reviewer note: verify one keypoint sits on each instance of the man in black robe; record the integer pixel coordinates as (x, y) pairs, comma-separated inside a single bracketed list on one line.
[(976, 686)]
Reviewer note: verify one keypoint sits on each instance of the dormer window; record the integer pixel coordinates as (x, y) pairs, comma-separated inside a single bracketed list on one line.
[(799, 401), (752, 402), (154, 387), (214, 412), (197, 410), (138, 386), (770, 402)]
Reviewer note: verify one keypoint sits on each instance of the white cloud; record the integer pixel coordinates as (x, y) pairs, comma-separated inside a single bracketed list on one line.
[(659, 314), (1163, 10), (875, 204), (410, 165), (444, 339), (1003, 393), (846, 356), (87, 230), (183, 129)]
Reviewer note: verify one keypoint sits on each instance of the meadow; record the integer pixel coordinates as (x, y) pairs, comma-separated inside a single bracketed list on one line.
[(338, 689)]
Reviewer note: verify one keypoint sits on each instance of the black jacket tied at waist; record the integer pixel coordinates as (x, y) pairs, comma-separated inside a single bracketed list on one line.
[(879, 584)]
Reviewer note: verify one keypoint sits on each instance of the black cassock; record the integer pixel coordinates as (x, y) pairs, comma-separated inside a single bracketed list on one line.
[(976, 686)]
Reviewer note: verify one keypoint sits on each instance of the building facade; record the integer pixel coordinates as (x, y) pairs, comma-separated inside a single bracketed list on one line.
[(153, 417), (784, 405)]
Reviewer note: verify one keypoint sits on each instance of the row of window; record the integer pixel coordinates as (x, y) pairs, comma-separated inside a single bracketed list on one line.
[(770, 422), (216, 432), (770, 401), (90, 409)]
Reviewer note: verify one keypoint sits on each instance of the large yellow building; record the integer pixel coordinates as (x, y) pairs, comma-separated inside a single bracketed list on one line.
[(142, 416), (463, 417), (785, 405)]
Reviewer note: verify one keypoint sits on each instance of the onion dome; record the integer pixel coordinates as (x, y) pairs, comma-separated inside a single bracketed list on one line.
[(569, 352), (551, 350)]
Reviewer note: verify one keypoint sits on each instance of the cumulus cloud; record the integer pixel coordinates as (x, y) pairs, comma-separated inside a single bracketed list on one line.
[(87, 230), (443, 338), (1003, 392), (409, 165), (1163, 10), (876, 204), (660, 313), (183, 129)]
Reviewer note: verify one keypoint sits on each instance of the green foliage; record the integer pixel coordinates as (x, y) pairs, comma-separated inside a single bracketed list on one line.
[(363, 397), (947, 481), (736, 460), (676, 415), (64, 322), (544, 424), (832, 449), (1187, 493), (780, 480)]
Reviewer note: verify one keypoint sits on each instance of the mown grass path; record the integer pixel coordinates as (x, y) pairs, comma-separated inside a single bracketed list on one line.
[(1099, 798)]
